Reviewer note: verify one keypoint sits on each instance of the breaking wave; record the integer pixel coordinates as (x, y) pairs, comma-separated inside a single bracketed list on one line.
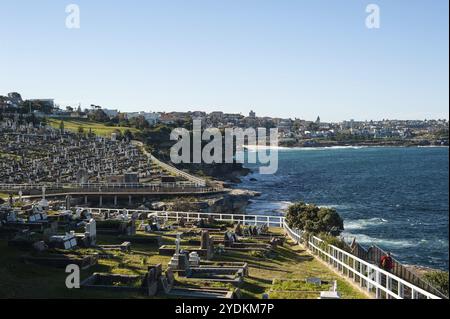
[(363, 223), (387, 243)]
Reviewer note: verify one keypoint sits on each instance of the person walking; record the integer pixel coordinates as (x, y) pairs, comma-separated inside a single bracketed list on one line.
[(386, 262)]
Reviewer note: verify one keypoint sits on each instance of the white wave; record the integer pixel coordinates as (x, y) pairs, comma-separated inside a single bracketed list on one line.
[(297, 148), (264, 147), (363, 223), (337, 206), (432, 146), (388, 243), (323, 148)]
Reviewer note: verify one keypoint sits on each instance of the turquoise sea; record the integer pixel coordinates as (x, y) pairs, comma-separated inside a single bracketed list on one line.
[(394, 197)]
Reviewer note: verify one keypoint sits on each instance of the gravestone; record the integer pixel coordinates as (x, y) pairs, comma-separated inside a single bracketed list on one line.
[(68, 200), (175, 260), (238, 229), (167, 281), (194, 259), (274, 241), (91, 232), (229, 239), (183, 262), (207, 244), (314, 280), (152, 281)]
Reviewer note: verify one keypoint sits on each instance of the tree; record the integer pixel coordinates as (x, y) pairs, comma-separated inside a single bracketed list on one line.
[(139, 122), (98, 115), (128, 135), (314, 219)]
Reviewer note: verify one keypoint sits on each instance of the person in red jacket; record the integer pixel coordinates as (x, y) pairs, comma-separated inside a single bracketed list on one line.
[(386, 262)]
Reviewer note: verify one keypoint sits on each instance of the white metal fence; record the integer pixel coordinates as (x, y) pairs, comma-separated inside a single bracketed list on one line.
[(175, 186), (377, 282), (271, 221)]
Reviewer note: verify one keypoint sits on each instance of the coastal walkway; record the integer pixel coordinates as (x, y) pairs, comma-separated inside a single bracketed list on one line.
[(173, 170), (375, 281)]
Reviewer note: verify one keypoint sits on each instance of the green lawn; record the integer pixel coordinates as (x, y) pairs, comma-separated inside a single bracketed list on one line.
[(97, 128), (290, 262)]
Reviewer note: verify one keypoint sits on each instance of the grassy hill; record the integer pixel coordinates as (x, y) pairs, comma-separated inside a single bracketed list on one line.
[(97, 128)]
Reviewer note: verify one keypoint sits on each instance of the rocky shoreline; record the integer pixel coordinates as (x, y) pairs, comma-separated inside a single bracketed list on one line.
[(233, 201)]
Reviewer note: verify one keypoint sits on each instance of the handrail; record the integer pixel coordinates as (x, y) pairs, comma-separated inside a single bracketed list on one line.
[(38, 186), (91, 185), (246, 219), (382, 271)]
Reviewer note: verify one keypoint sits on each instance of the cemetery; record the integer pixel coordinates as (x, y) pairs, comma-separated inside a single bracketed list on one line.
[(36, 154), (159, 258)]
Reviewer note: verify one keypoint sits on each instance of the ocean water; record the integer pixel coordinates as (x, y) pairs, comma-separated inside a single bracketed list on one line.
[(396, 198)]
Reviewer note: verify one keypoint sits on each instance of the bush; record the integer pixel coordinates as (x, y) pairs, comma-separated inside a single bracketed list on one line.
[(334, 241), (314, 219), (439, 279)]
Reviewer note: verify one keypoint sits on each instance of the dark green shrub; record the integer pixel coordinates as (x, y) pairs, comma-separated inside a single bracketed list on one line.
[(439, 279), (314, 219)]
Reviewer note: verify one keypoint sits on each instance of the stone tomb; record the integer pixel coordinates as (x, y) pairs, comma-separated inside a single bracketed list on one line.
[(167, 285), (124, 247), (153, 283), (232, 244), (189, 265), (114, 282), (67, 241), (206, 249)]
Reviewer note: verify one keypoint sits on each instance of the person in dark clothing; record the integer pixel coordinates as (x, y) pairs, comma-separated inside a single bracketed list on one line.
[(386, 262)]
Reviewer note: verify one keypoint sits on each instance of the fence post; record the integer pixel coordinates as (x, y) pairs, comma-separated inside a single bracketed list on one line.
[(369, 275), (401, 290), (378, 280), (388, 285), (360, 274)]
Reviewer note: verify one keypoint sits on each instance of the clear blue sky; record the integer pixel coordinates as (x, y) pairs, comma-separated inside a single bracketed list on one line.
[(286, 58)]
